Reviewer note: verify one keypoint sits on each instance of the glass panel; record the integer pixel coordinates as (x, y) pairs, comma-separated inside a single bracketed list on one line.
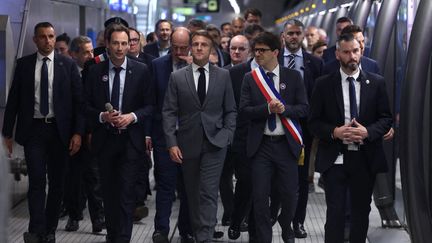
[(370, 23)]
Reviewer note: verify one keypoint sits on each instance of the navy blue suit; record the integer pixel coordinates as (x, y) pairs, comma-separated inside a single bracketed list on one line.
[(167, 172), (366, 63), (45, 145), (359, 167), (119, 154)]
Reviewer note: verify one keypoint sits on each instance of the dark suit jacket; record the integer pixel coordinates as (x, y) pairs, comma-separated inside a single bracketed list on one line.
[(327, 113), (367, 64), (237, 74), (214, 119), (147, 59), (138, 97), (253, 106), (152, 49), (162, 69), (313, 68), (67, 99)]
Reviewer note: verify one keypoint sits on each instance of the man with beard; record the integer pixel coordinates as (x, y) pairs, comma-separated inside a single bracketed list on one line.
[(350, 113), (160, 47)]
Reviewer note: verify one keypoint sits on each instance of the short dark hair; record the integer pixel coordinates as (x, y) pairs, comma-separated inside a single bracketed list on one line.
[(203, 33), (115, 28), (351, 29), (63, 37), (344, 19), (269, 39), (197, 23), (115, 20), (294, 22), (42, 25), (318, 44), (252, 11), (150, 37), (212, 27), (160, 21), (344, 37), (77, 42), (223, 25)]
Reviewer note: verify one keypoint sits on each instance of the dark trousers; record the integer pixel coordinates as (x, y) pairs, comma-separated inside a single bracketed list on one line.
[(201, 178), (45, 154), (226, 187), (84, 183), (118, 164), (169, 174), (354, 175), (142, 186), (273, 159)]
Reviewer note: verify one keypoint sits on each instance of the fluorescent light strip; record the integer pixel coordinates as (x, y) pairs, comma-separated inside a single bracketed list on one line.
[(235, 6)]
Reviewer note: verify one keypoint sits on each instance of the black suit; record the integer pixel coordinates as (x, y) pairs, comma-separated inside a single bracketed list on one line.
[(359, 167), (45, 145), (152, 49), (271, 158), (119, 155), (312, 69)]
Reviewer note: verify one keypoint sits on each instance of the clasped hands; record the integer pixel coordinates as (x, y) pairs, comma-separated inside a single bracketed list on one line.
[(276, 106), (116, 119), (352, 132)]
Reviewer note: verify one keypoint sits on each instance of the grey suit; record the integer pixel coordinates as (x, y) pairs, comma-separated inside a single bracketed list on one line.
[(203, 133)]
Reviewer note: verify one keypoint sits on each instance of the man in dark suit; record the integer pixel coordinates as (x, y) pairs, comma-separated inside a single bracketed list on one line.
[(163, 29), (167, 172), (273, 150), (199, 101), (45, 103), (350, 113), (310, 68), (329, 53), (119, 96)]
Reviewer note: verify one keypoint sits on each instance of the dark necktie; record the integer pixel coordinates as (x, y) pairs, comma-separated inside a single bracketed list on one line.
[(201, 85), (115, 92), (352, 97), (291, 62), (271, 120), (44, 109)]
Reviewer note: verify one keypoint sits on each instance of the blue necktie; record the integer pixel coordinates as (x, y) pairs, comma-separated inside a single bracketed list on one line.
[(352, 96), (291, 63), (271, 120), (201, 85), (115, 92), (44, 109)]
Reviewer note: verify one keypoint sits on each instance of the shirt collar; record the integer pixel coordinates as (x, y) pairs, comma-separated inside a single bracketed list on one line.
[(195, 67), (124, 64), (275, 71), (50, 56), (298, 53), (344, 76)]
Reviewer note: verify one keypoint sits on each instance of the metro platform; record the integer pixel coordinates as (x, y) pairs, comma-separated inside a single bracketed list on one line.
[(143, 230)]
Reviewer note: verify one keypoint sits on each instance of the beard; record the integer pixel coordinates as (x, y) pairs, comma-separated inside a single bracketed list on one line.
[(351, 65)]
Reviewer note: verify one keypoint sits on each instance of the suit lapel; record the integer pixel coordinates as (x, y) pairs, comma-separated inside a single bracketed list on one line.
[(364, 87), (105, 80), (58, 64), (190, 82), (282, 83), (212, 82), (338, 93), (127, 83), (32, 75)]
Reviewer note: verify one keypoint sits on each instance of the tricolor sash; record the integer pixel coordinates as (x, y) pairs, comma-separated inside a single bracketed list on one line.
[(269, 91)]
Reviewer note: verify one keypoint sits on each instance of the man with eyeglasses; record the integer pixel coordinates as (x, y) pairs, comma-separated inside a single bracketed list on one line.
[(273, 98), (167, 173), (135, 48)]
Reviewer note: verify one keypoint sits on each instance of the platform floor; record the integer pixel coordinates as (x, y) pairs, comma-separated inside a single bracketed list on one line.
[(143, 230)]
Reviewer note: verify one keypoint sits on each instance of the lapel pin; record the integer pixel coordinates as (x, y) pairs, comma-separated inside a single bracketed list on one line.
[(105, 78), (367, 81), (130, 71), (61, 63), (282, 86)]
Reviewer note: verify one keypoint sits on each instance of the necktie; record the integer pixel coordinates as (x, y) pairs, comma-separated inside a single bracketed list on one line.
[(271, 120), (352, 96), (115, 92), (44, 88), (291, 62), (201, 85)]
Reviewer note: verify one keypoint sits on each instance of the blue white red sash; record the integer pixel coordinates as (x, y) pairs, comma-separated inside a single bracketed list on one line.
[(269, 91)]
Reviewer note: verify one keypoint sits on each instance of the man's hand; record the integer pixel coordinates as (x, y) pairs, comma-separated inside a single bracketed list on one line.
[(176, 154), (9, 144), (75, 144), (149, 145), (110, 116), (358, 132), (187, 59), (276, 106), (389, 135), (342, 132), (122, 121)]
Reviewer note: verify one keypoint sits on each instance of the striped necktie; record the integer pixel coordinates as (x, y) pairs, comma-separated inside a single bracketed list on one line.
[(291, 62)]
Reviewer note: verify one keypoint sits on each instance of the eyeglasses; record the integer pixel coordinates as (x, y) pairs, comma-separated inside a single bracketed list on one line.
[(240, 49), (261, 50), (134, 40), (180, 48)]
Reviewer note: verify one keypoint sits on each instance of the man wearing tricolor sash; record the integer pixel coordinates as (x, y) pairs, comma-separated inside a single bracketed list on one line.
[(273, 98)]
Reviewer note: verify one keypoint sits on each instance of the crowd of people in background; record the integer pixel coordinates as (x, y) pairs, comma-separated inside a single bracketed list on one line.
[(201, 104)]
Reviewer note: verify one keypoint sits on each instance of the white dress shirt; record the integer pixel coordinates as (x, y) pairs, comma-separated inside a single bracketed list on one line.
[(298, 60), (37, 77), (196, 75), (279, 127)]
